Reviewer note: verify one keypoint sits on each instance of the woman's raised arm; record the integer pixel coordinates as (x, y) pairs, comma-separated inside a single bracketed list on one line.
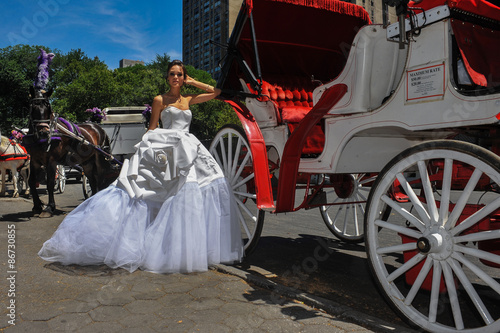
[(211, 92)]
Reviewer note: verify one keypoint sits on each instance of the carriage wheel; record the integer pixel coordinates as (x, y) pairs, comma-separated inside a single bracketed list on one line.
[(345, 218), (60, 178), (87, 190), (436, 258), (231, 150)]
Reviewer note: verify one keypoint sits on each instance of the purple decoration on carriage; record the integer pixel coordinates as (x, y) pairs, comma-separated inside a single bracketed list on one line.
[(44, 61)]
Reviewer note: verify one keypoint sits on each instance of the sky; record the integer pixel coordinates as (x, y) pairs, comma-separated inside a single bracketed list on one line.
[(109, 30)]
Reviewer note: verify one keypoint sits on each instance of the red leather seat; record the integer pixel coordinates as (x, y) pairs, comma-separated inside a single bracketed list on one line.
[(293, 102)]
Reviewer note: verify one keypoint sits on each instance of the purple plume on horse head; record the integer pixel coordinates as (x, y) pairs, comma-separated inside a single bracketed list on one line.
[(44, 61)]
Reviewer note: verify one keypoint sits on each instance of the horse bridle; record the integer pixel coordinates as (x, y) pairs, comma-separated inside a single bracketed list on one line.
[(45, 122)]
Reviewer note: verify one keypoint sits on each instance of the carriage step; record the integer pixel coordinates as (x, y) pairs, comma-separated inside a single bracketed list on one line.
[(317, 199)]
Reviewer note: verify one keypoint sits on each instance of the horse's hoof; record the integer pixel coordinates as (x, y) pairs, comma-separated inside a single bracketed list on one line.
[(45, 214), (15, 195)]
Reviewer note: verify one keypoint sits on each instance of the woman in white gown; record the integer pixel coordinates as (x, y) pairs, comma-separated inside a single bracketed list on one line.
[(170, 210)]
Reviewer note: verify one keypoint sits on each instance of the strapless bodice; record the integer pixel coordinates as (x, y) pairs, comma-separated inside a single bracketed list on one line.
[(175, 118)]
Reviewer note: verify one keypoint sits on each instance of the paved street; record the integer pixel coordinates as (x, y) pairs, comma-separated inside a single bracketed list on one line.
[(245, 298)]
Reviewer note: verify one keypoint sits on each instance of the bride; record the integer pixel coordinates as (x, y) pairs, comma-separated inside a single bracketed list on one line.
[(170, 210)]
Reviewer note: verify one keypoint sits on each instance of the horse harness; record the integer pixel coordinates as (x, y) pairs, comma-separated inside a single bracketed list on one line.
[(61, 127), (19, 153)]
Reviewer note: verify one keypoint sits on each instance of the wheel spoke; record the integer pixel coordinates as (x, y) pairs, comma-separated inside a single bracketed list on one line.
[(476, 217), (240, 169), (399, 229), (359, 196), (479, 272), (217, 158), (246, 194), (469, 288), (368, 180), (452, 293), (223, 153), (244, 181), (436, 285), (404, 213), (445, 191), (339, 212), (478, 236), (344, 230), (418, 281), (480, 254), (397, 248), (327, 208), (356, 222), (464, 199), (405, 267), (229, 152), (362, 209), (236, 156), (429, 193), (414, 198), (241, 218)]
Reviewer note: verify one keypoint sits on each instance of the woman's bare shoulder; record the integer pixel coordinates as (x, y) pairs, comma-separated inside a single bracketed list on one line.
[(158, 101), (158, 98)]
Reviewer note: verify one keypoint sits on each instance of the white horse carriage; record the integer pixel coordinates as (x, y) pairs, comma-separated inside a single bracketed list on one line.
[(125, 126), (392, 131)]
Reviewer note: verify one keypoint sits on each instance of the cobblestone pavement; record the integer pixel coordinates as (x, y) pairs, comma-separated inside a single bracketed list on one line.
[(41, 297)]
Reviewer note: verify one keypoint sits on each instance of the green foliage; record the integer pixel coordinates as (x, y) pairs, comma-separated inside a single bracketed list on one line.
[(138, 85), (82, 83), (18, 69)]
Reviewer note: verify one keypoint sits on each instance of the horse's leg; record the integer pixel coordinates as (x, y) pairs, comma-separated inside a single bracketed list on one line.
[(90, 171), (37, 203), (51, 183), (26, 175), (2, 191), (99, 173), (14, 182)]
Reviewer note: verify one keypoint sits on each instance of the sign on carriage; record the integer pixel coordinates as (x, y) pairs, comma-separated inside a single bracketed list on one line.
[(425, 83)]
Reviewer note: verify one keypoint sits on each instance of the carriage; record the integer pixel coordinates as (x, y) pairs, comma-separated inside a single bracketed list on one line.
[(125, 126), (390, 131)]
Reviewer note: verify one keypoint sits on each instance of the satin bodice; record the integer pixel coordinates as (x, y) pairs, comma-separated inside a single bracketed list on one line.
[(174, 118)]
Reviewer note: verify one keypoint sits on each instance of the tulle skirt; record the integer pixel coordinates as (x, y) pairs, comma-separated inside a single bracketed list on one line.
[(187, 233), (167, 212)]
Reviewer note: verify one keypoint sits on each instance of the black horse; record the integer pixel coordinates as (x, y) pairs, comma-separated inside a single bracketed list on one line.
[(51, 142)]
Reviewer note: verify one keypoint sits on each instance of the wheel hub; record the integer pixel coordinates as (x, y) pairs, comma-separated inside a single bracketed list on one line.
[(437, 242), (343, 184)]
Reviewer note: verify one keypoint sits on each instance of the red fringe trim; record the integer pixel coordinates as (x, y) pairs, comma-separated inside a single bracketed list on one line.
[(333, 6)]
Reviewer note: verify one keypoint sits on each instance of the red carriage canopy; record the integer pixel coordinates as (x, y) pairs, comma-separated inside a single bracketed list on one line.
[(295, 39)]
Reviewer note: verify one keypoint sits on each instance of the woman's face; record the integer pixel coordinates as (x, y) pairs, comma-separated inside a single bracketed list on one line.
[(176, 76)]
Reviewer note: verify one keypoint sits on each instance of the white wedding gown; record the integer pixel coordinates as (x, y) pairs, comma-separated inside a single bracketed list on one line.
[(170, 210)]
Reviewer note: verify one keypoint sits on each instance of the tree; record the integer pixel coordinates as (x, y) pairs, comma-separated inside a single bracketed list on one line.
[(92, 87), (161, 63), (138, 84)]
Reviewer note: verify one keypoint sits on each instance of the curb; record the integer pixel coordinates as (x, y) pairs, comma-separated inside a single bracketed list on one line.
[(330, 307)]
